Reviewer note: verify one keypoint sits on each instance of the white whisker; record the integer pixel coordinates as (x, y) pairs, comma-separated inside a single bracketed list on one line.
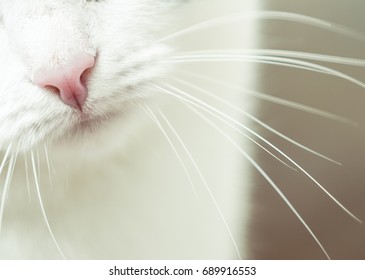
[(275, 53), (241, 132), (5, 158), (226, 119), (27, 176), (281, 61), (266, 177), (213, 111), (7, 184), (42, 207), (38, 167), (273, 15), (275, 100), (256, 120), (204, 182), (316, 22), (48, 165), (247, 59), (153, 117)]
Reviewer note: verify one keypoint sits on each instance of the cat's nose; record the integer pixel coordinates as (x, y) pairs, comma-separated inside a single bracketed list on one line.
[(67, 80)]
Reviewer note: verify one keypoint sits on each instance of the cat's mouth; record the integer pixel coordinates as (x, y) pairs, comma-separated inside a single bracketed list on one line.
[(90, 121)]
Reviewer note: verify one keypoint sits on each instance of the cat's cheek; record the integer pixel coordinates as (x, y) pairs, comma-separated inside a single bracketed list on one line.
[(30, 116)]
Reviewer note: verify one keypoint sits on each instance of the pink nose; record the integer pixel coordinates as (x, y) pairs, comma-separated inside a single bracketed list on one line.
[(67, 80)]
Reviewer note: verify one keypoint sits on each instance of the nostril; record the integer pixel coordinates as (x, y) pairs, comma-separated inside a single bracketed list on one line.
[(68, 80), (85, 75), (52, 89)]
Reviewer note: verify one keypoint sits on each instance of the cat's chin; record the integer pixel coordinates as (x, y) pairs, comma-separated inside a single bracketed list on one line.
[(77, 133), (90, 133)]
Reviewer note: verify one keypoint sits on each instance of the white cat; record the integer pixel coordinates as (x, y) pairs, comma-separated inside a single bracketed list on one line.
[(101, 160), (122, 131)]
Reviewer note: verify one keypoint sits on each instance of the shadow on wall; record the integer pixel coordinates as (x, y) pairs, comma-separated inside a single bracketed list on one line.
[(276, 233)]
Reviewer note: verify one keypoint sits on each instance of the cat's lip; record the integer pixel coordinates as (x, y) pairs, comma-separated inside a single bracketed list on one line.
[(88, 120)]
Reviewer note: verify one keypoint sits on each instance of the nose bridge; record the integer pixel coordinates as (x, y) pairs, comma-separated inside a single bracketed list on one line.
[(48, 35), (63, 38)]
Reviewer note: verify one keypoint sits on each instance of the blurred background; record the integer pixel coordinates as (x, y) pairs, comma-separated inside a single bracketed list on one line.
[(275, 233)]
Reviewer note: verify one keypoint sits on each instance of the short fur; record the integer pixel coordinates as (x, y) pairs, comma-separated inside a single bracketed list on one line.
[(110, 181)]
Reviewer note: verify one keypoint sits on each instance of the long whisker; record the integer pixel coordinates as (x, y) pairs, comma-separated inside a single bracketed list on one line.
[(256, 120), (222, 117), (38, 170), (250, 59), (277, 53), (5, 158), (266, 177), (42, 207), (281, 61), (273, 15), (203, 180), (48, 165), (261, 146), (275, 100), (49, 151), (213, 111), (7, 184), (153, 117), (27, 176)]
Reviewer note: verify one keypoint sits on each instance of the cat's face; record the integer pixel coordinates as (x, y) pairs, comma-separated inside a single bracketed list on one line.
[(45, 34)]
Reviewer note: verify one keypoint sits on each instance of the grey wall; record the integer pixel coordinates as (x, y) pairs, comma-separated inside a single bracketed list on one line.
[(275, 232)]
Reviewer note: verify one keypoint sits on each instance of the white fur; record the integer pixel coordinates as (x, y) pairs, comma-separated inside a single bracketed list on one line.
[(117, 190), (44, 33)]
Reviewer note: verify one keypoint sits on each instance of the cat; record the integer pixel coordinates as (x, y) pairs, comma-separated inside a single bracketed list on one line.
[(91, 167), (146, 158)]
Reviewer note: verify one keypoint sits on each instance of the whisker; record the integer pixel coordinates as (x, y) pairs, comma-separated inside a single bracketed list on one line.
[(27, 176), (203, 180), (316, 22), (5, 158), (16, 153), (281, 61), (48, 165), (153, 117), (272, 15), (256, 120), (7, 184), (250, 59), (42, 207), (213, 111), (277, 53), (275, 100), (266, 177), (241, 132), (49, 152), (38, 167), (226, 119)]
